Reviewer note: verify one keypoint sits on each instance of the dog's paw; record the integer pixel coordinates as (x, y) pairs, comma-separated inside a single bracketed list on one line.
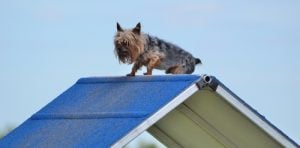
[(147, 74), (130, 75)]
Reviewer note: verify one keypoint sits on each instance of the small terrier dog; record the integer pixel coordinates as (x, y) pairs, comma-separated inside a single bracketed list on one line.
[(134, 46)]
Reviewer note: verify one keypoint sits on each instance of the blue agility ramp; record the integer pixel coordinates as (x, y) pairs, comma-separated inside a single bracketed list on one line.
[(97, 111), (112, 111)]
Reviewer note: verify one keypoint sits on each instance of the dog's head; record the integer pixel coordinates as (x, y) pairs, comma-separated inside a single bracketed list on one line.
[(129, 43)]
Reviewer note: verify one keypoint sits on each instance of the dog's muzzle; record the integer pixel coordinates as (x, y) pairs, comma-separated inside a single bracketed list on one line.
[(122, 51)]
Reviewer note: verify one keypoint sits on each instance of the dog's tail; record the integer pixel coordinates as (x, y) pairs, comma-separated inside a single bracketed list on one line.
[(197, 61)]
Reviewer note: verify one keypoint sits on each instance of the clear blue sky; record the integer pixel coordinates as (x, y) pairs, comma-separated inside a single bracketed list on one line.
[(253, 47)]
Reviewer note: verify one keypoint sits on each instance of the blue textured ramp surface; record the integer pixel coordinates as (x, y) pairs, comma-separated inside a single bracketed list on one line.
[(97, 112)]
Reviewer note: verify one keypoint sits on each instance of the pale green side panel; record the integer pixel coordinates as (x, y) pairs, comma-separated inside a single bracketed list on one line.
[(176, 124), (207, 120)]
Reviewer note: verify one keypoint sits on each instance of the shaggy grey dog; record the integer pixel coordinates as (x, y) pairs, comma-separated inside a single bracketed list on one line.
[(134, 46)]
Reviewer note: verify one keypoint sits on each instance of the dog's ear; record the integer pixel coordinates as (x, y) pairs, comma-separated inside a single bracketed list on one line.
[(119, 28), (137, 28)]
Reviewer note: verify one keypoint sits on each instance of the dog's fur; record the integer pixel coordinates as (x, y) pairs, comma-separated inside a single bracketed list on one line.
[(134, 46)]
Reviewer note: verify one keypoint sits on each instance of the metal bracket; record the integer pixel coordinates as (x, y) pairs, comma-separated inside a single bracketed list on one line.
[(207, 80)]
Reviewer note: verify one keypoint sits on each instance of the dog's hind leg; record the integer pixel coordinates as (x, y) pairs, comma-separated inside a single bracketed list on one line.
[(175, 70)]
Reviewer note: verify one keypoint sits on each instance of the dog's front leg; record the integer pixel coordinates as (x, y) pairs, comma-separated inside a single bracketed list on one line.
[(136, 66), (154, 61)]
